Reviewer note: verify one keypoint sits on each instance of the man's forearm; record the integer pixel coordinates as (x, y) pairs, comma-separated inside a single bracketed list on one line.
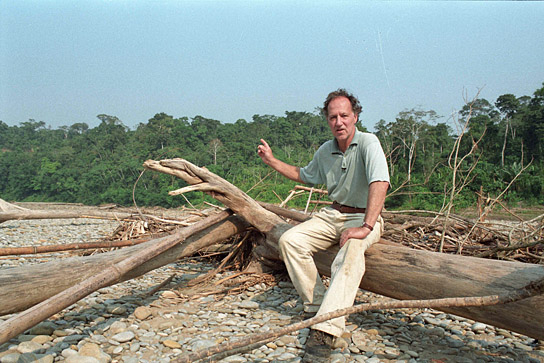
[(289, 171), (376, 198)]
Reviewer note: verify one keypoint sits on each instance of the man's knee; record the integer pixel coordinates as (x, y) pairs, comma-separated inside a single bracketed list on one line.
[(284, 242), (289, 242)]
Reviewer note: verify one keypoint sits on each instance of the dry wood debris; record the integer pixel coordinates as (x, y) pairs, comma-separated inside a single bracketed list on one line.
[(512, 241)]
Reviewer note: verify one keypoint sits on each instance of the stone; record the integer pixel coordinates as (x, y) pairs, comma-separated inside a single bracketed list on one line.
[(169, 295), (60, 333), (431, 321), (74, 338), (25, 337), (68, 352), (35, 358), (29, 347), (337, 358), (117, 327), (248, 304), (117, 350), (358, 338), (142, 312), (287, 357), (271, 345), (438, 331), (41, 339), (10, 358), (93, 350), (44, 328), (123, 336), (202, 344), (171, 344), (340, 343), (116, 309), (522, 346), (234, 359), (454, 343), (287, 339), (478, 327), (76, 358)]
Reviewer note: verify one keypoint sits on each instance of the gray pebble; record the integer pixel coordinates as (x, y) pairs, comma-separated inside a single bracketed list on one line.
[(10, 358), (478, 327), (123, 336)]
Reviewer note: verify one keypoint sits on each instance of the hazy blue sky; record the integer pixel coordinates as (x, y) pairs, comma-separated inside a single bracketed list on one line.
[(64, 62)]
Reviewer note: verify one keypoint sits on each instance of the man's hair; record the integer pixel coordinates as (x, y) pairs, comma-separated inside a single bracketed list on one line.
[(341, 92)]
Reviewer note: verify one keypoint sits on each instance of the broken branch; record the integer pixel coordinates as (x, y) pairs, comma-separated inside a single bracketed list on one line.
[(532, 289)]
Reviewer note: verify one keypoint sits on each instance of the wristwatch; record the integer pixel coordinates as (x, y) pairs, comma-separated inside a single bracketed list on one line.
[(368, 226)]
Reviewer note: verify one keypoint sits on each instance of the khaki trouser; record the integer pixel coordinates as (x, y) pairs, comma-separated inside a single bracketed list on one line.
[(297, 247)]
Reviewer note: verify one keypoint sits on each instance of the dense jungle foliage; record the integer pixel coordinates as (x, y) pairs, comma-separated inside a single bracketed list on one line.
[(490, 142)]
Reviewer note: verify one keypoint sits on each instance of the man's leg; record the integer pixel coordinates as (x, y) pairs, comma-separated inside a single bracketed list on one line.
[(297, 247), (347, 271)]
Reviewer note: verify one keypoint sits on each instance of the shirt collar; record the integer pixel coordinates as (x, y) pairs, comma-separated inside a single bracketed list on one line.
[(354, 141)]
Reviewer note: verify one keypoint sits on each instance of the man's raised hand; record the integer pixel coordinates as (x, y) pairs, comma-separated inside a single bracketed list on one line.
[(265, 152)]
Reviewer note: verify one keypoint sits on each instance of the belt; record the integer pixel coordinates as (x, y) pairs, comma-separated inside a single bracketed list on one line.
[(347, 209)]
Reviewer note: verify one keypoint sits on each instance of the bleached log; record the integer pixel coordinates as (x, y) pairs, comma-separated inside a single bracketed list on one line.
[(25, 286)]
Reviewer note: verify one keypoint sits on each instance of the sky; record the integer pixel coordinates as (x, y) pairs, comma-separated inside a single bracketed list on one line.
[(64, 62)]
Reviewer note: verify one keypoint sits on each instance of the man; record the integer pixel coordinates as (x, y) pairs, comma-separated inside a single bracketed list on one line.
[(354, 168)]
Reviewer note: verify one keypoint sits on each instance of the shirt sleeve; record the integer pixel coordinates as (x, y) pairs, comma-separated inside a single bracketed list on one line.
[(312, 173), (375, 162)]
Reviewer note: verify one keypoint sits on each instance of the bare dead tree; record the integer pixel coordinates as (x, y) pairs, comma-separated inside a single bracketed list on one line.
[(215, 146), (455, 161)]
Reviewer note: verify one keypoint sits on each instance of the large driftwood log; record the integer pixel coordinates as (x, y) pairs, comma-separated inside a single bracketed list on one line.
[(397, 271), (23, 287), (63, 214), (109, 275), (10, 212), (8, 207), (27, 250)]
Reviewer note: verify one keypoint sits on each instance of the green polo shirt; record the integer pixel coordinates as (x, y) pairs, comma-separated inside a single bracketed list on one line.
[(348, 175)]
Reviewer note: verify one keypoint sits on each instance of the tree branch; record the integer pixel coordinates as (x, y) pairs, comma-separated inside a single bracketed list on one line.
[(532, 289)]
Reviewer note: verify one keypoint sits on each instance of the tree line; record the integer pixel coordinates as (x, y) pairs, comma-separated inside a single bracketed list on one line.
[(495, 148)]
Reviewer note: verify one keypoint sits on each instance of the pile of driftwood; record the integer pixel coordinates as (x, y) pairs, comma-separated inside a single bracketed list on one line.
[(510, 241), (392, 269)]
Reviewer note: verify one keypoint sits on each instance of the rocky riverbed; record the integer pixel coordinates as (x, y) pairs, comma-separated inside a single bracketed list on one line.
[(126, 323)]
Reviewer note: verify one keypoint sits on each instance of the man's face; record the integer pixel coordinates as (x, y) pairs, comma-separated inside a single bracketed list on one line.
[(341, 120)]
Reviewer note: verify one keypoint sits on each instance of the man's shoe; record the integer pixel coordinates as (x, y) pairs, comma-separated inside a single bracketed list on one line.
[(318, 347)]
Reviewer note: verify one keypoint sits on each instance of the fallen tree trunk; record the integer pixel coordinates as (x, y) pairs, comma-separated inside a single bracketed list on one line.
[(28, 250), (23, 287), (404, 273), (109, 275), (63, 214), (10, 212), (397, 271)]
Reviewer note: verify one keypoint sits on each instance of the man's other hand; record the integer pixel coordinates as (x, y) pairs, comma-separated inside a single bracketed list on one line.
[(355, 232), (265, 152)]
